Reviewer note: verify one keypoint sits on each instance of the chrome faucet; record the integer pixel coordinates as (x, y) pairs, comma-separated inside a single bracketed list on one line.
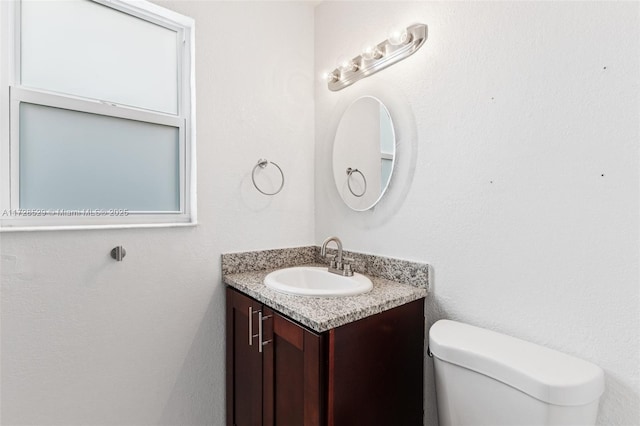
[(336, 265)]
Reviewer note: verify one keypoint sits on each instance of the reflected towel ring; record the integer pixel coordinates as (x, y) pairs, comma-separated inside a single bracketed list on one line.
[(262, 163), (351, 171)]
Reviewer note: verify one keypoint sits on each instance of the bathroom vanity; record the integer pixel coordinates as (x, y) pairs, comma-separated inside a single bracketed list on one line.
[(295, 360)]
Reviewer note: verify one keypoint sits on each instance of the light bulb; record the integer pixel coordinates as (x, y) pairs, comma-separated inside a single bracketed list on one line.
[(329, 77), (370, 52), (346, 64), (398, 36)]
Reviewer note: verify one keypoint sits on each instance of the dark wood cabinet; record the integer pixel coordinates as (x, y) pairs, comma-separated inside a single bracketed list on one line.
[(368, 372), (244, 363)]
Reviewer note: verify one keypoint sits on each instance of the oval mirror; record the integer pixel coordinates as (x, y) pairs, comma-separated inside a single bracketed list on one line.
[(363, 153)]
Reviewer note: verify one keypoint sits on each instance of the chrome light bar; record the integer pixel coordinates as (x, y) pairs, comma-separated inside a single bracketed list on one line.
[(376, 58)]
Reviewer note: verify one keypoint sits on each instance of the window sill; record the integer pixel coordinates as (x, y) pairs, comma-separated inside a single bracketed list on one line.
[(91, 227)]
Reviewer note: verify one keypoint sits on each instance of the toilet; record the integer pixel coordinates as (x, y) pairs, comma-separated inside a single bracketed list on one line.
[(487, 378)]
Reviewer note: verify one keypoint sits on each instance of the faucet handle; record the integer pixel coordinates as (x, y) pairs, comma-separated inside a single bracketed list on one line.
[(332, 260), (347, 271), (346, 266)]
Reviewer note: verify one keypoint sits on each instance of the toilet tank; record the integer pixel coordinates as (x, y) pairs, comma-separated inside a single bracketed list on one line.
[(488, 378)]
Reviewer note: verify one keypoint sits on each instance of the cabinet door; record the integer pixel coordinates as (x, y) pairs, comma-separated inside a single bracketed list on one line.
[(375, 369), (293, 371), (244, 361)]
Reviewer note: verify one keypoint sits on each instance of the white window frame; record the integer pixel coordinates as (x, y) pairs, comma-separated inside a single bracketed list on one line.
[(12, 94)]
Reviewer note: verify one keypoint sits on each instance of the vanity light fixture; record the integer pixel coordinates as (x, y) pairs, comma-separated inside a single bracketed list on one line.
[(400, 44)]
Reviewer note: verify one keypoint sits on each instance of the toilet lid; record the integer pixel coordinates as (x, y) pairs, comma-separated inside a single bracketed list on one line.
[(543, 373)]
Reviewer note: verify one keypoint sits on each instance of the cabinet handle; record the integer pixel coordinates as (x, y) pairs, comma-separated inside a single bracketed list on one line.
[(260, 319), (250, 326), (251, 314)]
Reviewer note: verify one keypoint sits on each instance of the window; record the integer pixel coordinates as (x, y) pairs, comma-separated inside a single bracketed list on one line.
[(98, 115)]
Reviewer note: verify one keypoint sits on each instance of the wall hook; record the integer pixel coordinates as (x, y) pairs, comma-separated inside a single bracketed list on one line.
[(118, 253)]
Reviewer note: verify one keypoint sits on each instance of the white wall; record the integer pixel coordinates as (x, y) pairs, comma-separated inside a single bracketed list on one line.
[(518, 170), (88, 341)]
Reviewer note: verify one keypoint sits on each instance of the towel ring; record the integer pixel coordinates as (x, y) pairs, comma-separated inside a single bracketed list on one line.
[(351, 171), (262, 163)]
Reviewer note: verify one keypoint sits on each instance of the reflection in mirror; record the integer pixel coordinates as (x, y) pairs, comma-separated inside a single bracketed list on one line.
[(363, 153)]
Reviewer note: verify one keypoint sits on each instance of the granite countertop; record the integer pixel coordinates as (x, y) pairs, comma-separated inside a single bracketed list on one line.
[(324, 313)]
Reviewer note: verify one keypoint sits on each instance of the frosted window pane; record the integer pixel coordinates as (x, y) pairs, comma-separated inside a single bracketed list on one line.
[(75, 160), (86, 49)]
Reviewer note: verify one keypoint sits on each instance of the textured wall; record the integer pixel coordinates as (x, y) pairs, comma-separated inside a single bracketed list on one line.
[(517, 170), (88, 341)]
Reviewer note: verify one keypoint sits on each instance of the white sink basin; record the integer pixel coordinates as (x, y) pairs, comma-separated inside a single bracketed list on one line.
[(316, 281)]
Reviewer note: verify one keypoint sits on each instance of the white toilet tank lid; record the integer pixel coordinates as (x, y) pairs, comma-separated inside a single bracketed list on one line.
[(543, 373)]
